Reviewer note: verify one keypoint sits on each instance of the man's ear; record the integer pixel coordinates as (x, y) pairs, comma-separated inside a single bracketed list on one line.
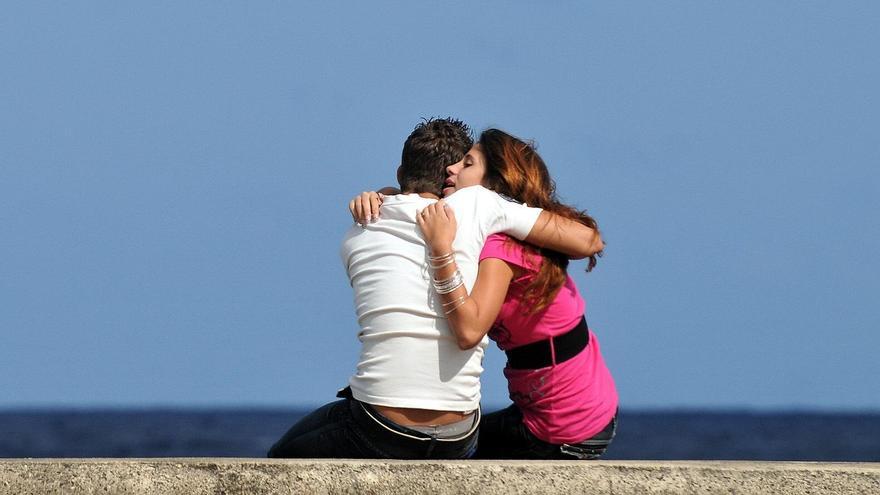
[(399, 182)]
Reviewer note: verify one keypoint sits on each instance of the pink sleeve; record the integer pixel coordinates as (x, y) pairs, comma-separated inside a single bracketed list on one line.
[(506, 249)]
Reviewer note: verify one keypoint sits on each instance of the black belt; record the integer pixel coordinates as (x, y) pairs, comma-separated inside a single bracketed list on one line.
[(538, 355)]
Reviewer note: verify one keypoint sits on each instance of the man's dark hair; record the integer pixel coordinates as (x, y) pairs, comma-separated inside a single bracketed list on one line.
[(432, 146)]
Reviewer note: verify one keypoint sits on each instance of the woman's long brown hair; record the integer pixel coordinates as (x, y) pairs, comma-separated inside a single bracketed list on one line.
[(514, 169)]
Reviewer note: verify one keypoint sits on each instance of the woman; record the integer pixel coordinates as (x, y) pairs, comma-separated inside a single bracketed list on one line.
[(565, 402)]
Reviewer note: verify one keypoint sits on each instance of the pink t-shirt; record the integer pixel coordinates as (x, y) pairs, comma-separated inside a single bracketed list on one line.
[(564, 403)]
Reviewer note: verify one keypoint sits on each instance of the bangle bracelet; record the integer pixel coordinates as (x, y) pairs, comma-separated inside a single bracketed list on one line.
[(445, 281), (451, 310), (450, 303), (436, 262), (441, 265), (447, 289), (450, 284)]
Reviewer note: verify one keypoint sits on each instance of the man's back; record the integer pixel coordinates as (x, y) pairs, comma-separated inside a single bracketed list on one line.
[(409, 357)]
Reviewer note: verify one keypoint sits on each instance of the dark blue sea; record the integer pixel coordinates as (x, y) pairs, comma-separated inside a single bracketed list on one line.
[(695, 435)]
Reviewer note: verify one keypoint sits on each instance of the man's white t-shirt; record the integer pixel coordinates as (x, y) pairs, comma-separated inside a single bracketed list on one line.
[(409, 356)]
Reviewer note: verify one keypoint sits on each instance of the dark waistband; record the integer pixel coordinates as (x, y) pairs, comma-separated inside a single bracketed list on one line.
[(539, 355)]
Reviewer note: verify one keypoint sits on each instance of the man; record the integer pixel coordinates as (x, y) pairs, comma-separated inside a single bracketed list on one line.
[(415, 393)]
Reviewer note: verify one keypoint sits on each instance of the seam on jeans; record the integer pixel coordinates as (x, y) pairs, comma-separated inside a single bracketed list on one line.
[(431, 447)]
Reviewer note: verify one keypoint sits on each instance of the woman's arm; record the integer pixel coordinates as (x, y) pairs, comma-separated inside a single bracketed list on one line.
[(470, 316), (472, 321), (565, 236)]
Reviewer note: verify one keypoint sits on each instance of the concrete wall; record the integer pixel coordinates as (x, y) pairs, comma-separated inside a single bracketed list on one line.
[(195, 476)]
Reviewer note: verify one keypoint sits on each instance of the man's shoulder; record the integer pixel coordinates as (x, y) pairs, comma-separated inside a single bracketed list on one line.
[(472, 196), (403, 206), (406, 201)]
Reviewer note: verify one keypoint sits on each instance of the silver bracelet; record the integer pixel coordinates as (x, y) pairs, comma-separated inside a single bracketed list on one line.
[(436, 262), (454, 308), (445, 284), (441, 265), (448, 285), (448, 288), (458, 299)]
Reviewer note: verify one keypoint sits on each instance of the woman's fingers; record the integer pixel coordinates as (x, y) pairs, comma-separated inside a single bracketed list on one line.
[(367, 215), (364, 207), (426, 217), (449, 212), (351, 209), (437, 225), (375, 202), (432, 209), (360, 217), (437, 211), (442, 211), (420, 219)]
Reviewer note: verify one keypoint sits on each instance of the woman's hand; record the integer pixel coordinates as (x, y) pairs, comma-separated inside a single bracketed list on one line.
[(437, 222), (365, 207)]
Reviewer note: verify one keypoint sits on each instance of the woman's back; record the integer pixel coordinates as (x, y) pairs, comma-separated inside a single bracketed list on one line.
[(561, 402)]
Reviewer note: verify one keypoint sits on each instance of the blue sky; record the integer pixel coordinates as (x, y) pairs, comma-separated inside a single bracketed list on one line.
[(174, 180)]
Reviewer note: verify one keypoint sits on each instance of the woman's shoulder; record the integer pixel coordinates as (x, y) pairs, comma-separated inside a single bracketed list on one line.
[(498, 238), (498, 243), (506, 248)]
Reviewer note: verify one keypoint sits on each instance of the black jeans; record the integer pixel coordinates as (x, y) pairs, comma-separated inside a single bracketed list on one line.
[(351, 429), (504, 436)]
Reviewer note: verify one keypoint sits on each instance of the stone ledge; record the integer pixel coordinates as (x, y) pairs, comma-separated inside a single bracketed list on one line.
[(196, 476)]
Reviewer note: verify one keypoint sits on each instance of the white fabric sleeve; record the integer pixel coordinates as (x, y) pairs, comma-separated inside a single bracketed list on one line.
[(509, 217)]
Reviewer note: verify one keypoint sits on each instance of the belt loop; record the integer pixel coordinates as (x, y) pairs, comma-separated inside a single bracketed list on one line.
[(552, 351)]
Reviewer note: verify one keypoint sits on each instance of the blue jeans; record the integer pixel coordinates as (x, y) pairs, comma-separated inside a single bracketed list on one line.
[(352, 429), (504, 436)]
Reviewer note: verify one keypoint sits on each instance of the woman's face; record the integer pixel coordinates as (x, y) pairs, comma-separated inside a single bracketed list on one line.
[(470, 171)]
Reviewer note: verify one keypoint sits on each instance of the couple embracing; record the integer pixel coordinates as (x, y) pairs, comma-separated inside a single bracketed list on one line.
[(432, 278)]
